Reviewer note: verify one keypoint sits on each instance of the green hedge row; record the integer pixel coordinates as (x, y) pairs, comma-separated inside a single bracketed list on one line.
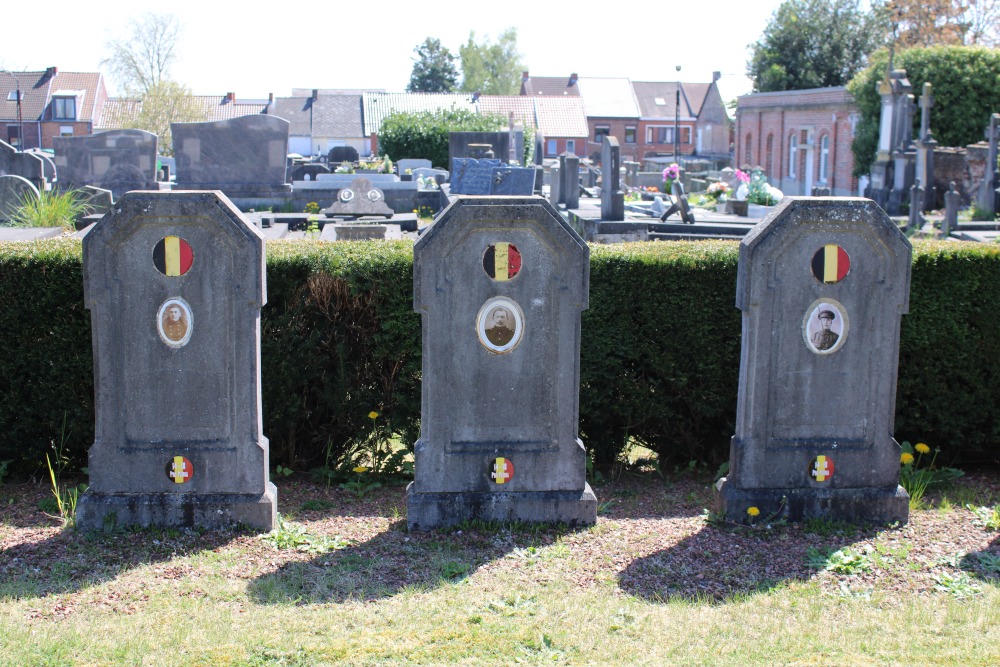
[(659, 359)]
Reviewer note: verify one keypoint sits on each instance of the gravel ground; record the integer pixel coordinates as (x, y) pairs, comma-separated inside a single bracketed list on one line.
[(652, 540)]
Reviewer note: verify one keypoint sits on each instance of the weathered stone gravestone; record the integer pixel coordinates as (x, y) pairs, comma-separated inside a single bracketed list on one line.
[(612, 195), (243, 157), (500, 285), (512, 181), (822, 284), (340, 154), (14, 191), (174, 283), (412, 164), (26, 165), (467, 145), (361, 198), (117, 160), (471, 176)]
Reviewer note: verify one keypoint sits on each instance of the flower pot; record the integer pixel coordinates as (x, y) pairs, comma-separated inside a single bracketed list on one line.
[(758, 211), (738, 207)]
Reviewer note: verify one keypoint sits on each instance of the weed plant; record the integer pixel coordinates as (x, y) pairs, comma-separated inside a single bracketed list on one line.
[(51, 209)]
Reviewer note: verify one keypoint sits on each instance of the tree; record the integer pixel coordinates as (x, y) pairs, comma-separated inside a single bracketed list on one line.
[(945, 22), (814, 44), (164, 103), (141, 61), (966, 81), (491, 69), (433, 69)]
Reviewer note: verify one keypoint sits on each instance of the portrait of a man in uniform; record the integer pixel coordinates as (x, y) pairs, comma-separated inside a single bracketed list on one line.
[(499, 332), (824, 339), (175, 322)]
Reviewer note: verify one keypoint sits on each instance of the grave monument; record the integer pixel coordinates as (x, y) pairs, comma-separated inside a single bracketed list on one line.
[(500, 284), (174, 283), (822, 284), (117, 160)]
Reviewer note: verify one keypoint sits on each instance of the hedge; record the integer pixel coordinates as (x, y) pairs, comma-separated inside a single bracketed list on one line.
[(660, 350)]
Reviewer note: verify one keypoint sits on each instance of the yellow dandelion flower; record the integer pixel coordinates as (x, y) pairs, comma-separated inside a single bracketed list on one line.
[(753, 511), (906, 458), (360, 469), (922, 448), (372, 415)]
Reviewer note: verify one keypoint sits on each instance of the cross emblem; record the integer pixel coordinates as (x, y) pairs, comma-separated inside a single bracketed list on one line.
[(179, 472), (821, 470), (500, 473)]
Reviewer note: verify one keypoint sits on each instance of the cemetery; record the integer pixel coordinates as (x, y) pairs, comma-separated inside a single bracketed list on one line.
[(496, 401)]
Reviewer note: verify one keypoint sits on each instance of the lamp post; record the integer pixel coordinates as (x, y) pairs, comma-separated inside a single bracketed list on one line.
[(20, 122), (677, 116)]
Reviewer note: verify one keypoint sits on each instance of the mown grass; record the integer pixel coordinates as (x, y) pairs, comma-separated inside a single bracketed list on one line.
[(489, 595)]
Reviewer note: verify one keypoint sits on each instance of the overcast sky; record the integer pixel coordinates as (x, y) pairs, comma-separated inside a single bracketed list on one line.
[(256, 48)]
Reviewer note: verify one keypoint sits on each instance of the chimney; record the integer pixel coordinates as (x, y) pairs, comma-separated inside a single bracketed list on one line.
[(716, 76), (50, 72), (524, 76), (230, 97), (315, 94), (572, 80), (270, 98)]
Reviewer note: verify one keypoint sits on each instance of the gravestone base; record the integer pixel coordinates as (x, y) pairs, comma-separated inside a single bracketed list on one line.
[(857, 505), (431, 510), (109, 511)]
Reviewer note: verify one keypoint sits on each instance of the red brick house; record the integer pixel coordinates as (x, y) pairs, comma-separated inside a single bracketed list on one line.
[(52, 104), (800, 138)]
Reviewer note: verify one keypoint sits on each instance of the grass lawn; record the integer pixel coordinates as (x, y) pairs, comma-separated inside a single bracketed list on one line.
[(653, 583)]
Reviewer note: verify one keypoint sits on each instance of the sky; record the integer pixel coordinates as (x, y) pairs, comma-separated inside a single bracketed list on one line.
[(255, 48)]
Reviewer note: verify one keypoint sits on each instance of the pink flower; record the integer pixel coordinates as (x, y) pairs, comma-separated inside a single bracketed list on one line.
[(742, 176)]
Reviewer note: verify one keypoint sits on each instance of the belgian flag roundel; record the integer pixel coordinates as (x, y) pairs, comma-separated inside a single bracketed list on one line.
[(180, 470), (502, 261), (501, 470), (821, 468), (173, 256), (831, 264)]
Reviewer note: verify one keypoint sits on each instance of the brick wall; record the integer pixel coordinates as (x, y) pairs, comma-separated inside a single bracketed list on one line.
[(53, 129), (766, 123), (629, 151)]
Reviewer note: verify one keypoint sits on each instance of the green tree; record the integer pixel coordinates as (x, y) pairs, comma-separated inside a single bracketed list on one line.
[(433, 69), (814, 44), (425, 134), (966, 81), (491, 69), (164, 103), (142, 60)]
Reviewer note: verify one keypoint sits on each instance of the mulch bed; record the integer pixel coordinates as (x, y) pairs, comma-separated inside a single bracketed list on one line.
[(652, 540)]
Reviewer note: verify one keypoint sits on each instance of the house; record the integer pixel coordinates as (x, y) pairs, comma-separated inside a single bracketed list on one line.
[(322, 120), (562, 122), (611, 111), (800, 138), (121, 112), (695, 109), (36, 106), (376, 106)]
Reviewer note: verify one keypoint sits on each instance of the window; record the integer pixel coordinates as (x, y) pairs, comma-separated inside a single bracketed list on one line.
[(824, 158), (793, 149), (12, 96), (13, 138), (551, 147), (570, 146), (685, 135), (600, 132), (65, 130), (630, 134), (659, 134), (64, 108)]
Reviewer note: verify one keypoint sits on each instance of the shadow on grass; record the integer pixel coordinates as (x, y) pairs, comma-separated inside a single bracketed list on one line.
[(729, 564), (70, 560), (984, 564), (395, 561)]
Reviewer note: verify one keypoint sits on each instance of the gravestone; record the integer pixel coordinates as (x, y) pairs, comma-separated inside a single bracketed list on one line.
[(680, 205), (500, 285), (952, 202), (412, 164), (471, 176), (14, 191), (925, 149), (822, 284), (915, 219), (307, 172), (612, 196), (99, 199), (512, 181), (243, 157), (439, 175), (555, 178), (117, 160), (986, 200), (361, 198), (460, 145), (340, 154), (48, 164), (174, 283), (26, 165), (571, 182)]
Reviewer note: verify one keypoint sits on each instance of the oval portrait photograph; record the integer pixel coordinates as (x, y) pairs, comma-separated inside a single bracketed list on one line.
[(174, 322), (825, 326), (500, 325)]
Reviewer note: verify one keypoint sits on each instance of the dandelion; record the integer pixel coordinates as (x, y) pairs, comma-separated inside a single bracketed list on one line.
[(906, 458), (753, 511), (922, 448), (360, 469), (372, 415)]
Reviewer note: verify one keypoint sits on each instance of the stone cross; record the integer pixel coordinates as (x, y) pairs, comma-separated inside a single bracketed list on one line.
[(926, 102), (987, 188), (822, 284)]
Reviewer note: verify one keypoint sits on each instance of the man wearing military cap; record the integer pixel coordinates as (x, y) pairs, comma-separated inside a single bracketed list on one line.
[(824, 339)]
